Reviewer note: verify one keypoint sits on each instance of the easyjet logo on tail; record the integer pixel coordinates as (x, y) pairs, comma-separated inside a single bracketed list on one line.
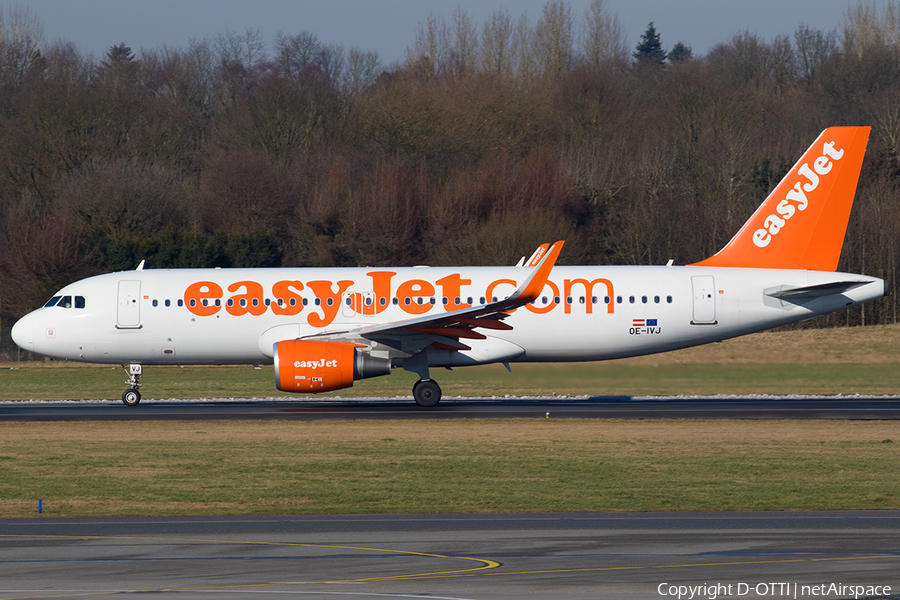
[(795, 199)]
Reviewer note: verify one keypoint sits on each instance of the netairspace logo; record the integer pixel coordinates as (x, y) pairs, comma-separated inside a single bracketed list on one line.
[(773, 590)]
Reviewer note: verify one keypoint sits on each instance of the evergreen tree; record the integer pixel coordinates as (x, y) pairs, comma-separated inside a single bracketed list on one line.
[(119, 68), (680, 53), (650, 50)]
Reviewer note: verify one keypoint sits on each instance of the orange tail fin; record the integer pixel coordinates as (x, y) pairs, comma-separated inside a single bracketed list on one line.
[(801, 224)]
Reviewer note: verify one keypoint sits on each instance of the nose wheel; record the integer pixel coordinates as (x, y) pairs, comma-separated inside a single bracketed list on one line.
[(427, 393), (131, 396)]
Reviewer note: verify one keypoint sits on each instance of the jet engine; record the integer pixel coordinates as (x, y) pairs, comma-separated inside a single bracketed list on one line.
[(309, 366)]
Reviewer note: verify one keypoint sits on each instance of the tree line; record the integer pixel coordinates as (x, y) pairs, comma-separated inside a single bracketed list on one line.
[(485, 141)]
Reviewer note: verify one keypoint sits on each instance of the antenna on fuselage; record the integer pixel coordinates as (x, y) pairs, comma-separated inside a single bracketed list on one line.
[(140, 267)]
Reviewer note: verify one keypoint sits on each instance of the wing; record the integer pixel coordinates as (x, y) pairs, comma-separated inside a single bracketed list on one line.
[(445, 330)]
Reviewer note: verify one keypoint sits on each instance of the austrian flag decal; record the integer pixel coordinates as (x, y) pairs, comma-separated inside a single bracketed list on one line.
[(645, 327)]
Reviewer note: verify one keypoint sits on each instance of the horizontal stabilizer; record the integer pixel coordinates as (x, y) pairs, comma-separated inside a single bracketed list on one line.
[(810, 292)]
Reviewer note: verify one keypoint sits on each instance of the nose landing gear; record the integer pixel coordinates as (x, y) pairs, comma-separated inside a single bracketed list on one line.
[(131, 396)]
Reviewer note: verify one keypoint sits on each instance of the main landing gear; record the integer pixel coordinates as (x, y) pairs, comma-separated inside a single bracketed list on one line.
[(131, 396), (427, 392)]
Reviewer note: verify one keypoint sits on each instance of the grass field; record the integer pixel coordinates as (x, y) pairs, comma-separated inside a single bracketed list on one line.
[(864, 360), (142, 468), (147, 468)]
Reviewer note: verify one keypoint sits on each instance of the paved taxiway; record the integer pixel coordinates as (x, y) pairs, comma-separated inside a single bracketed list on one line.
[(484, 557), (609, 407)]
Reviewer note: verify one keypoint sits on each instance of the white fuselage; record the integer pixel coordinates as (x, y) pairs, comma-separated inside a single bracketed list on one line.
[(584, 313)]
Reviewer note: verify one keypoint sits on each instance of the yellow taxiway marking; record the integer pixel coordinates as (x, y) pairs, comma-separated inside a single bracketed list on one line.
[(485, 563)]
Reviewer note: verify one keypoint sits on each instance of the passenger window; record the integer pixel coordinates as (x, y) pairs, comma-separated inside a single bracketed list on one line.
[(481, 300), (631, 299), (180, 302), (469, 300), (305, 301), (382, 301), (656, 299), (218, 302), (52, 301), (618, 299), (168, 303), (79, 301), (205, 302), (607, 299), (669, 299), (194, 302), (318, 302), (349, 301), (155, 303), (431, 301), (644, 299), (395, 301)]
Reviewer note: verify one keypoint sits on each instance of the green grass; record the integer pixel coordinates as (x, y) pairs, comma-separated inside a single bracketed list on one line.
[(459, 466), (161, 468)]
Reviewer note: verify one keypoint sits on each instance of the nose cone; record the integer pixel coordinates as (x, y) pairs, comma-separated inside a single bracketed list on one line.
[(23, 332)]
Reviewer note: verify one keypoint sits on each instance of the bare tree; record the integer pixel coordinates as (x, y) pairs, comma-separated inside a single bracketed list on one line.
[(814, 47), (247, 50), (361, 71), (21, 35), (465, 42), (496, 54), (554, 39), (295, 53), (65, 65), (431, 46), (525, 63), (865, 27), (783, 60), (603, 35)]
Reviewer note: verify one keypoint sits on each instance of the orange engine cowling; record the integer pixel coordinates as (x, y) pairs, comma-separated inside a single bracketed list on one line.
[(307, 366)]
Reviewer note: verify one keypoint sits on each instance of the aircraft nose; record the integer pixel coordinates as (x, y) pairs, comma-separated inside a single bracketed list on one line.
[(23, 333)]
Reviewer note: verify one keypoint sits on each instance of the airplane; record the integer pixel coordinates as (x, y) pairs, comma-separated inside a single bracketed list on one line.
[(324, 328)]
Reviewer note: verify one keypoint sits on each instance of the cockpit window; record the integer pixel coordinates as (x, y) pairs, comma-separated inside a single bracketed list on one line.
[(79, 301), (66, 302), (52, 301)]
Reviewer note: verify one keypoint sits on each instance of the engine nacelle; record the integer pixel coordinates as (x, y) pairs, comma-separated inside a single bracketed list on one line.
[(308, 366)]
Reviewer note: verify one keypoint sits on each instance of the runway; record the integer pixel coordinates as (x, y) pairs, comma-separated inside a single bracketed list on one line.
[(596, 407), (478, 557)]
